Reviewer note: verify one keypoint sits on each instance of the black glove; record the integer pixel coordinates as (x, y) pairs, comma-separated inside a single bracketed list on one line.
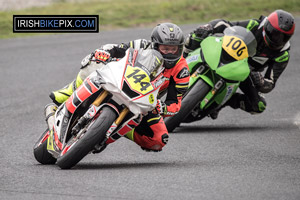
[(203, 31), (190, 45), (194, 39)]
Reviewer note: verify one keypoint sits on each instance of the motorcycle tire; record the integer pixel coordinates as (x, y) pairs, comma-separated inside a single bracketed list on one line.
[(76, 150), (40, 151), (189, 102)]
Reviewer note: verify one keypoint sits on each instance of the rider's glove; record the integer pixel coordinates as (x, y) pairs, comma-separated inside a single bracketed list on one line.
[(257, 79), (160, 107), (194, 39), (191, 43), (203, 31), (101, 55)]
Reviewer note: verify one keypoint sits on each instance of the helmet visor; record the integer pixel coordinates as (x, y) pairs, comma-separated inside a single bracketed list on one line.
[(170, 53), (166, 49), (275, 39)]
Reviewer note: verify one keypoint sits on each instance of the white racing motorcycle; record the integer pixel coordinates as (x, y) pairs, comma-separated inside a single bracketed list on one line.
[(110, 100)]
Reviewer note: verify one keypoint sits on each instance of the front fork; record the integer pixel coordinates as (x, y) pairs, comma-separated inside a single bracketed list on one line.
[(94, 110), (216, 88), (122, 115), (100, 147), (199, 73)]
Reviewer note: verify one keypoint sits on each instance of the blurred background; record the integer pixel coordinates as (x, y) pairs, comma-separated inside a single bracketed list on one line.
[(118, 14)]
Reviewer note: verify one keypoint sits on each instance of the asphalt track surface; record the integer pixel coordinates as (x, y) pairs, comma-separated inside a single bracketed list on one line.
[(237, 156)]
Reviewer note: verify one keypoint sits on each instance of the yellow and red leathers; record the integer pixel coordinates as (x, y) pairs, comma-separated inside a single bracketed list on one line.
[(151, 133)]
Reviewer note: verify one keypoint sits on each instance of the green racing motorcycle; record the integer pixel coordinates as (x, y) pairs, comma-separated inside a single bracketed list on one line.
[(217, 67)]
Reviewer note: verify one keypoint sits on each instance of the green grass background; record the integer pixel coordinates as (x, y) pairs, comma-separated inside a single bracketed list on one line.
[(115, 14)]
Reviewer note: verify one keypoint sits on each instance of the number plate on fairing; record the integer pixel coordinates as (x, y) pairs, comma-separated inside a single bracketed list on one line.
[(138, 80)]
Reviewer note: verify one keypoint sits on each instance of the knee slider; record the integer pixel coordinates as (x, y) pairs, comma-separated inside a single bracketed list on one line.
[(165, 138), (160, 144)]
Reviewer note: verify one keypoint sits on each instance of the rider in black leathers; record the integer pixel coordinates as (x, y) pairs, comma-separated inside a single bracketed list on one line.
[(272, 34)]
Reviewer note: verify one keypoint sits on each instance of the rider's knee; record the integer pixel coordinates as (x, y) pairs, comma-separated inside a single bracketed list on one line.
[(160, 142), (156, 143)]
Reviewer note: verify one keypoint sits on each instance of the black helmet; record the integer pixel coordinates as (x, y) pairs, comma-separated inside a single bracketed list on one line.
[(170, 35), (278, 29)]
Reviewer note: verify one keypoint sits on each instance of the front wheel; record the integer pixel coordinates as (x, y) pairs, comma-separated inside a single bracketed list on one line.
[(189, 102), (78, 148)]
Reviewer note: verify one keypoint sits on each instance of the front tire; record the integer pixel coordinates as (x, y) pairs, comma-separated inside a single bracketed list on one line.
[(73, 152), (189, 102)]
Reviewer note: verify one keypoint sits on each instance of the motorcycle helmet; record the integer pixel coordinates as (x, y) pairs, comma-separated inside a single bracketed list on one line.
[(278, 29), (238, 43), (168, 39)]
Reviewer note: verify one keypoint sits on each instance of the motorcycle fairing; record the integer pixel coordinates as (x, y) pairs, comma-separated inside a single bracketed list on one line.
[(220, 98), (212, 49), (235, 71), (113, 76)]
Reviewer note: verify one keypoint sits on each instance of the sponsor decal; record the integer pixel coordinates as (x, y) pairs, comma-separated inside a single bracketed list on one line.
[(151, 98), (283, 58), (159, 82), (252, 23), (171, 39), (228, 94), (183, 73), (192, 59)]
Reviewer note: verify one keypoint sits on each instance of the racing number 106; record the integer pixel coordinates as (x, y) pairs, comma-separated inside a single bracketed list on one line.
[(236, 45)]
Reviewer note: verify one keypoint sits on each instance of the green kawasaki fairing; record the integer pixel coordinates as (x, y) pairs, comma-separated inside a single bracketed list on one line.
[(212, 82), (210, 54)]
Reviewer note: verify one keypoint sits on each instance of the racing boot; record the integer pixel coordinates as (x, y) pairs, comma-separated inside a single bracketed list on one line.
[(237, 101), (255, 106), (60, 96), (58, 122), (49, 112), (214, 114)]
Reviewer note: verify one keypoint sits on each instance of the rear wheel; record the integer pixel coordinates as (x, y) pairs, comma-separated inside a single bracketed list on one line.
[(40, 151), (189, 102), (78, 148)]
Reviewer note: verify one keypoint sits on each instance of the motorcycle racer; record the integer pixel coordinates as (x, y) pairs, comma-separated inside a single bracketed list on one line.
[(272, 55), (167, 38)]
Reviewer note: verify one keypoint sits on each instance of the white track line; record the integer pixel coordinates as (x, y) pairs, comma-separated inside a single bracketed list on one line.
[(297, 120)]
